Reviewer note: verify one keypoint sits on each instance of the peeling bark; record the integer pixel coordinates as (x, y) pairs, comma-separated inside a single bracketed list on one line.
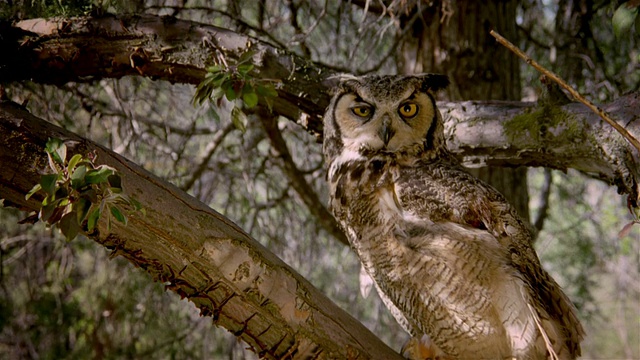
[(197, 253), (560, 137)]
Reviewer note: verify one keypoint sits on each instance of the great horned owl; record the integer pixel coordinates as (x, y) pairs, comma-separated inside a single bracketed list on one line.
[(449, 256)]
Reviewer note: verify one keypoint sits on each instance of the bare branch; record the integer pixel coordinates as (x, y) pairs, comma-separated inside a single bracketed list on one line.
[(576, 95), (499, 133), (306, 193), (211, 149)]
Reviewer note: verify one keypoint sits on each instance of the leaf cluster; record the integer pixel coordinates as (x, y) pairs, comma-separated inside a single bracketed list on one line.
[(624, 18), (235, 83), (77, 192)]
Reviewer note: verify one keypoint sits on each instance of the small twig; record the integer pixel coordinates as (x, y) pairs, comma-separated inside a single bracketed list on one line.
[(567, 87)]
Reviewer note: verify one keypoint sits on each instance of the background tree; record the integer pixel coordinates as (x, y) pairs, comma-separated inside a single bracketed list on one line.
[(49, 284)]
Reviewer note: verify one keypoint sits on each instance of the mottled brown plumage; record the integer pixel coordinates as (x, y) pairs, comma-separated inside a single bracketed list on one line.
[(449, 256)]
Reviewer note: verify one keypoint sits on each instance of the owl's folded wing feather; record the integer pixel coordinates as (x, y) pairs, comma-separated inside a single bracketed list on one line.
[(457, 286), (463, 199)]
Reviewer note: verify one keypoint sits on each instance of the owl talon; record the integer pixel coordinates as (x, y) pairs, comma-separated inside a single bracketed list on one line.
[(422, 349)]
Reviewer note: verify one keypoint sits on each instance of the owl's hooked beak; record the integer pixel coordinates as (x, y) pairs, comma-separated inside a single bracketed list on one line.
[(386, 132)]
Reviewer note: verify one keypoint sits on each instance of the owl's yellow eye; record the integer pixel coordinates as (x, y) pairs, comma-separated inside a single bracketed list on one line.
[(408, 110), (362, 111)]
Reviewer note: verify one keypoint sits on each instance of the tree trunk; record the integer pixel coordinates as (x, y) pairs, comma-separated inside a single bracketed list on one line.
[(453, 39)]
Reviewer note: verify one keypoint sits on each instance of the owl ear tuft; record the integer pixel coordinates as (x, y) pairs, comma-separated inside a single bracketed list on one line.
[(433, 82), (339, 82)]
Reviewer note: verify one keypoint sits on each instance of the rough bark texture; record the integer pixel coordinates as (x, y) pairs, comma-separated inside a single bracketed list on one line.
[(560, 137), (197, 253), (56, 51)]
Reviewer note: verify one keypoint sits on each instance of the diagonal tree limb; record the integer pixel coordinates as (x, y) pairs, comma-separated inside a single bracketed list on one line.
[(197, 253)]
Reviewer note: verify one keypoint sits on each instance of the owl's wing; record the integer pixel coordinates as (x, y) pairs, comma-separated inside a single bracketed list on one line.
[(455, 283), (448, 193)]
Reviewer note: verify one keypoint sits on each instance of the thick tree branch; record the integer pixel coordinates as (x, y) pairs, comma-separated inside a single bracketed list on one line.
[(493, 133), (502, 133), (197, 253), (57, 51)]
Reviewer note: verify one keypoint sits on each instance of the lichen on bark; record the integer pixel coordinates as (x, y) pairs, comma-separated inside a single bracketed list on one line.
[(542, 126)]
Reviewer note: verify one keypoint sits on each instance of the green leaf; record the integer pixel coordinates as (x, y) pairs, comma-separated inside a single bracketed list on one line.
[(61, 153), (229, 93), (136, 204), (246, 56), (82, 206), (117, 214), (52, 145), (207, 88), (218, 79), (75, 159), (99, 175), (93, 218), (239, 119), (89, 194), (115, 181), (48, 183), (46, 211), (217, 94), (69, 225), (623, 20), (62, 193), (266, 90), (77, 177), (49, 199), (51, 212), (34, 189), (250, 99), (214, 69), (58, 212), (202, 94), (244, 69)]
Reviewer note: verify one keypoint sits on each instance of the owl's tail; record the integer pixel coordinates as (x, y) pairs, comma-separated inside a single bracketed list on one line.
[(547, 341)]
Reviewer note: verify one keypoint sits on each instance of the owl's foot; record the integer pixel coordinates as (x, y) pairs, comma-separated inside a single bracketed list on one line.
[(422, 348)]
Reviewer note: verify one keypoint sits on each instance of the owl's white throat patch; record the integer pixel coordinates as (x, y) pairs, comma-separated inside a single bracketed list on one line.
[(347, 156)]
